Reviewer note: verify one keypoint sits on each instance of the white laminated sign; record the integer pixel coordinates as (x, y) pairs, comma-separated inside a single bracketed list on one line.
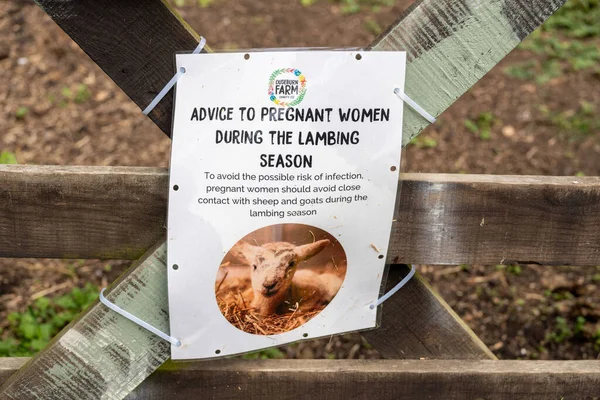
[(283, 182)]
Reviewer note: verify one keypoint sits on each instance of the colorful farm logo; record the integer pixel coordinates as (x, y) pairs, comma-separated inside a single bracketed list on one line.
[(287, 87)]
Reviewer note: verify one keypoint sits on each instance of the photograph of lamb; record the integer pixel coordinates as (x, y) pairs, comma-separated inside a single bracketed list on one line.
[(278, 277)]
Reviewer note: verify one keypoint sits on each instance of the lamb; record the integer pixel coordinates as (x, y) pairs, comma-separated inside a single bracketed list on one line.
[(276, 284)]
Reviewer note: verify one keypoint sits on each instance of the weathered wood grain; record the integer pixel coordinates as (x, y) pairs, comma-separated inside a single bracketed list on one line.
[(102, 355), (360, 379), (118, 213), (65, 212), (133, 41)]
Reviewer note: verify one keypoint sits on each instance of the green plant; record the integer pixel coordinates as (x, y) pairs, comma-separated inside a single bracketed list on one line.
[(579, 325), (514, 270), (29, 331), (561, 332), (424, 142), (350, 6), (560, 296), (6, 157), (560, 43), (482, 125), (372, 26), (66, 92), (596, 339), (21, 112), (577, 18), (577, 123), (265, 354), (82, 94), (524, 71)]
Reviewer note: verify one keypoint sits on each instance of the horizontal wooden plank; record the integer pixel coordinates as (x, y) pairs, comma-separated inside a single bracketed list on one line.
[(359, 379), (118, 213), (81, 212)]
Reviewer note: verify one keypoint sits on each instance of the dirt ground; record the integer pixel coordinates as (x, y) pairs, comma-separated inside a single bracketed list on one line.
[(58, 107)]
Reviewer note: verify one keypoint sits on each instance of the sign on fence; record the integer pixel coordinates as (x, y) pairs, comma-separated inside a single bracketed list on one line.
[(284, 174)]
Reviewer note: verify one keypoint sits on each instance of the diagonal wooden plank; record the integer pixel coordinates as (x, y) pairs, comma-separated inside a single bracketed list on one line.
[(128, 19), (417, 323), (133, 42), (102, 355), (451, 44)]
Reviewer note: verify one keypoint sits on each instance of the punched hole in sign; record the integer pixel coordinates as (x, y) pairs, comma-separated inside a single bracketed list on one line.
[(176, 187), (246, 56)]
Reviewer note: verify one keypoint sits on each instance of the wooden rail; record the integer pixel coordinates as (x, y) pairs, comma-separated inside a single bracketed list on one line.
[(118, 213), (361, 379)]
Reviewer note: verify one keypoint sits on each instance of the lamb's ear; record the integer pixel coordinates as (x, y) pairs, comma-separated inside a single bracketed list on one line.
[(306, 251), (245, 252)]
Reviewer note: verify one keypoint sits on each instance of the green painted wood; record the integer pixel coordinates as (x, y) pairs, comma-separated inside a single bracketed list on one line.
[(102, 355), (133, 38), (451, 44)]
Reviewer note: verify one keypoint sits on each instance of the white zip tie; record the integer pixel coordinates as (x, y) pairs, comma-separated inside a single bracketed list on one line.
[(172, 82), (175, 342), (404, 97), (395, 288)]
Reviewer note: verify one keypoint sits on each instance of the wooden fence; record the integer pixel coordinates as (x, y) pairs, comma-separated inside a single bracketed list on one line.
[(119, 213)]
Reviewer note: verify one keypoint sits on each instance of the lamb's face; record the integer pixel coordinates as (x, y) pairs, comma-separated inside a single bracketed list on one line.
[(272, 271), (272, 266)]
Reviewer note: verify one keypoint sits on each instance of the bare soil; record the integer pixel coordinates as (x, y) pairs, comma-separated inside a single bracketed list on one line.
[(75, 115)]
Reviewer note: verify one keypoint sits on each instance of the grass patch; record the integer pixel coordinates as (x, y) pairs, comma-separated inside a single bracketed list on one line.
[(482, 125), (272, 353), (29, 332), (6, 157), (577, 19), (424, 142), (575, 124), (21, 112), (566, 42), (354, 6)]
